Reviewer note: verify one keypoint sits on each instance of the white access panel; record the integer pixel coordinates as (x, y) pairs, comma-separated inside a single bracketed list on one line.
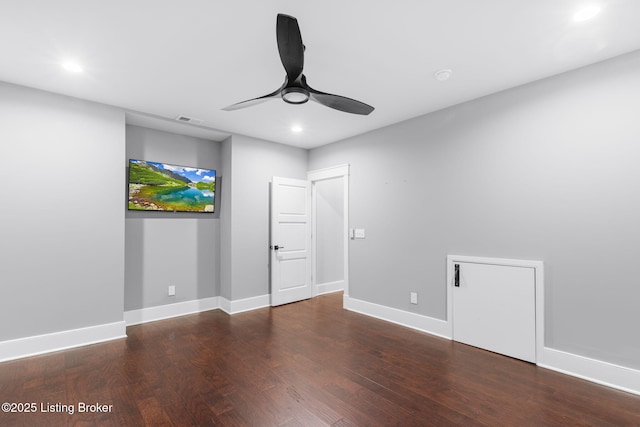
[(494, 308)]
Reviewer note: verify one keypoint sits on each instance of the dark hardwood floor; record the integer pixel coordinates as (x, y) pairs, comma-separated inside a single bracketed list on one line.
[(304, 364)]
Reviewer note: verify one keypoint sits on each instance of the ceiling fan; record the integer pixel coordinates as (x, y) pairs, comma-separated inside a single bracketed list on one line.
[(295, 89)]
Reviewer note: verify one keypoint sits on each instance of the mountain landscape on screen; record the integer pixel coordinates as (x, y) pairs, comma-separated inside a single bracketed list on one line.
[(164, 187)]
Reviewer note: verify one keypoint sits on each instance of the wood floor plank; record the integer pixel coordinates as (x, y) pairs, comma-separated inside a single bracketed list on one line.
[(287, 397), (305, 364)]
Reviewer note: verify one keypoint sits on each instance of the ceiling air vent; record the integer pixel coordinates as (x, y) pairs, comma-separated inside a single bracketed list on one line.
[(187, 119)]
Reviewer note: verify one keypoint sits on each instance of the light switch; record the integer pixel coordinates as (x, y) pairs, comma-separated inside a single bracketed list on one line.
[(359, 233)]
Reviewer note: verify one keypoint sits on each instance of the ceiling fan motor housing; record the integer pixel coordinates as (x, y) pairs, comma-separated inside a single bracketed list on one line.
[(295, 95)]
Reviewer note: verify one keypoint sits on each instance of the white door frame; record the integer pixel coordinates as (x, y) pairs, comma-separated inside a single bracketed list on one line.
[(538, 268), (340, 171)]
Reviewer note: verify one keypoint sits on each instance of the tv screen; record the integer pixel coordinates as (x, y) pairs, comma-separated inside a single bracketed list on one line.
[(164, 187)]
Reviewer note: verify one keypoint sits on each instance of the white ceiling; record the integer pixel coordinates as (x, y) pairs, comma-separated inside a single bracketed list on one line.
[(164, 58)]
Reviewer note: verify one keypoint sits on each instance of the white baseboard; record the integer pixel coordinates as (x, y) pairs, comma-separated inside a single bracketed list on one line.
[(604, 373), (47, 343), (247, 304), (422, 323), (329, 287), (225, 305), (151, 314)]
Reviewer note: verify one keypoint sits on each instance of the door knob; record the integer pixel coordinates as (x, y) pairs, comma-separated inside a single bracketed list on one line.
[(276, 247)]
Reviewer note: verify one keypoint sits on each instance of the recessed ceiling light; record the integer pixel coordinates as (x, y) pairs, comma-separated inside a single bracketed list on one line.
[(443, 75), (296, 128), (586, 13), (72, 66)]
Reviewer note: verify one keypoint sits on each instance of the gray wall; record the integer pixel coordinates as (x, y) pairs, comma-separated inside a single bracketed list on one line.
[(61, 221), (546, 171), (254, 163), (225, 221), (167, 248)]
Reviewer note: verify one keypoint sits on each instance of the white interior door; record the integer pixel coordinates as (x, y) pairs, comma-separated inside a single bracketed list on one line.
[(290, 240), (494, 308)]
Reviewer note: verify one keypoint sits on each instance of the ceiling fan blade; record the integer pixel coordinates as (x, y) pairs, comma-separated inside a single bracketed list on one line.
[(341, 103), (337, 102), (254, 101), (290, 45)]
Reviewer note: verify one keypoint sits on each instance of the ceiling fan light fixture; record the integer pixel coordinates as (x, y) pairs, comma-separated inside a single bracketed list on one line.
[(295, 95)]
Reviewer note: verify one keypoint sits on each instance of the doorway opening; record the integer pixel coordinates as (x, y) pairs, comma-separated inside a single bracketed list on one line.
[(330, 229)]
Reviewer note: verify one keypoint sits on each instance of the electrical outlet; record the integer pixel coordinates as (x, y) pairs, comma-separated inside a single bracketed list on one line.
[(172, 291), (414, 297)]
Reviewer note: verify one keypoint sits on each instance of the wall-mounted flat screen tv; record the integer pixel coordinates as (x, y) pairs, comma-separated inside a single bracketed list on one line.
[(164, 187)]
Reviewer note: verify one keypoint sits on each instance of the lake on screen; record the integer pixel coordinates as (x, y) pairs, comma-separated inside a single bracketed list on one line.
[(191, 196)]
